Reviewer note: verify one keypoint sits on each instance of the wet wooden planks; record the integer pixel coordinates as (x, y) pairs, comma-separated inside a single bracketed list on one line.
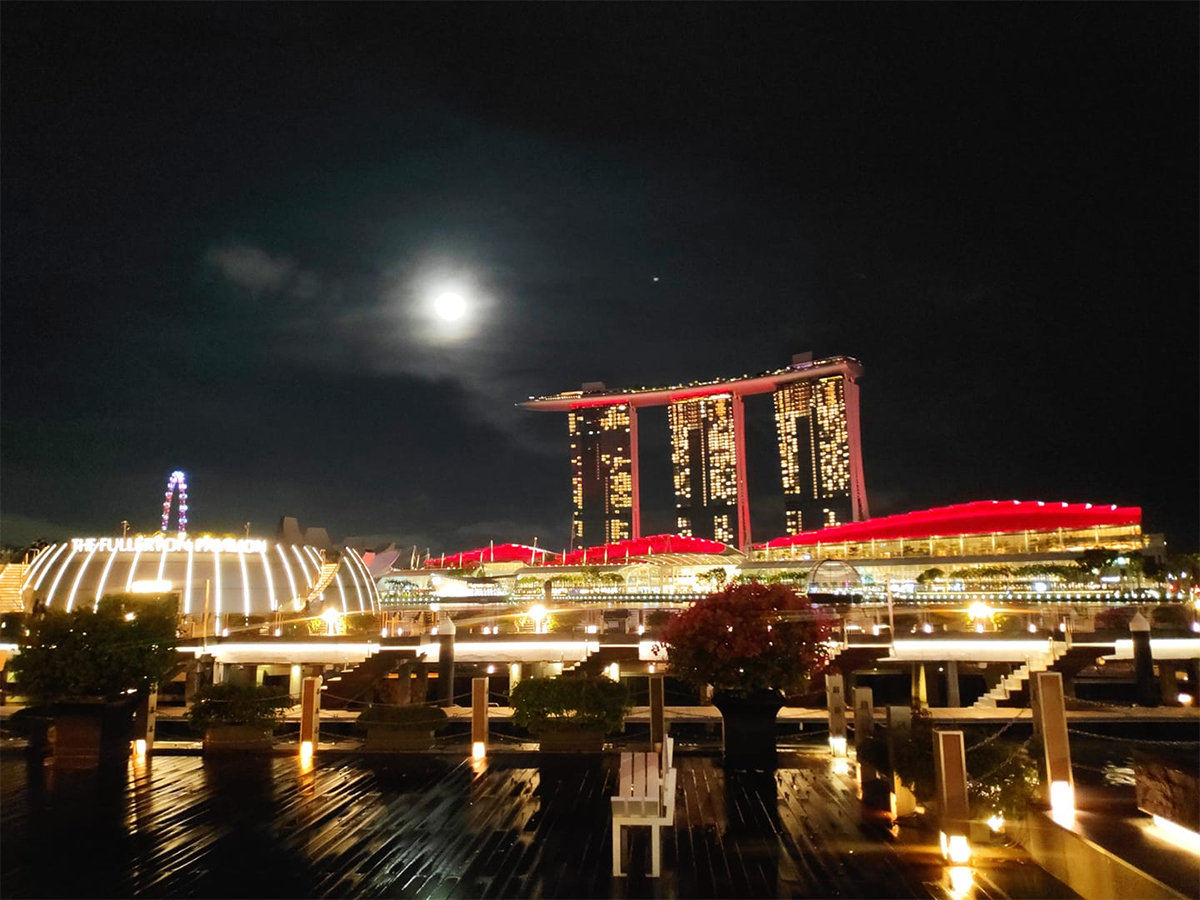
[(518, 825)]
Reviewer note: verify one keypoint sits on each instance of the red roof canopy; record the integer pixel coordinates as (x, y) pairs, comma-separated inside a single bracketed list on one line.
[(977, 517), (498, 553), (659, 543)]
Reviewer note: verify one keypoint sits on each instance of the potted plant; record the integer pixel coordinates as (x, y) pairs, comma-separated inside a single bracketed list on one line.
[(85, 670), (410, 727), (570, 713), (752, 643), (235, 716)]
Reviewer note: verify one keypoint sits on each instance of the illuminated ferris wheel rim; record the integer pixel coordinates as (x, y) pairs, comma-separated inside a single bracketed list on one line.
[(177, 479)]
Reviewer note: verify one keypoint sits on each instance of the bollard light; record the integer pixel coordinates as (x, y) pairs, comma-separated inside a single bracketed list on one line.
[(956, 848), (306, 751), (1062, 802), (139, 747), (837, 745), (478, 750)]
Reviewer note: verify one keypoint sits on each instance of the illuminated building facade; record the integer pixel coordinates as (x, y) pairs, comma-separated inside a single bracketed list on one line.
[(816, 404), (816, 462), (602, 480), (704, 466)]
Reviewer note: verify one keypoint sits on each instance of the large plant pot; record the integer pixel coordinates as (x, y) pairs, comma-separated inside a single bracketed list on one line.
[(381, 739), (571, 741), (86, 734), (748, 728), (252, 738)]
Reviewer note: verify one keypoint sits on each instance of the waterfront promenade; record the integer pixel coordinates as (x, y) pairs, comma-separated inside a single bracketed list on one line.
[(515, 825)]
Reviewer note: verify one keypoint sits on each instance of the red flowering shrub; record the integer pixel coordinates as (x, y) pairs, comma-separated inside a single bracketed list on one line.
[(748, 637)]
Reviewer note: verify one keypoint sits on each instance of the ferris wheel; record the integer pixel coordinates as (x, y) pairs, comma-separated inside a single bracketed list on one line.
[(177, 480)]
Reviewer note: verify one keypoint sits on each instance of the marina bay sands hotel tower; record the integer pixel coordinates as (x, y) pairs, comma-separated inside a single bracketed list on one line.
[(820, 456)]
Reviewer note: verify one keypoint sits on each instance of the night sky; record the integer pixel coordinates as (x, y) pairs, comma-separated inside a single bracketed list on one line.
[(223, 227)]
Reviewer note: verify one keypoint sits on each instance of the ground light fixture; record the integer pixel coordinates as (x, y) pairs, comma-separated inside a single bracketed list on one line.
[(1062, 802)]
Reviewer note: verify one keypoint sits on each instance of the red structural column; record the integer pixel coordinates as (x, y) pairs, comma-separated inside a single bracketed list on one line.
[(636, 492), (743, 492)]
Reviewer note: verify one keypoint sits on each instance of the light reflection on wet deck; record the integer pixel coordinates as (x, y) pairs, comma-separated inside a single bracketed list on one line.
[(517, 825)]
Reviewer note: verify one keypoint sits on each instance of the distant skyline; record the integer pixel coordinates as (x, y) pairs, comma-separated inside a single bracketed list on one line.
[(231, 235)]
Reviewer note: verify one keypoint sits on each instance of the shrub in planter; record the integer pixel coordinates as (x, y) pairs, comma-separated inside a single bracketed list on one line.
[(391, 727), (238, 716), (84, 670), (549, 707)]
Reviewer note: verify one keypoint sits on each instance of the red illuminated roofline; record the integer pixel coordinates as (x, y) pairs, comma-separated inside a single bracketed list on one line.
[(757, 384), (976, 517)]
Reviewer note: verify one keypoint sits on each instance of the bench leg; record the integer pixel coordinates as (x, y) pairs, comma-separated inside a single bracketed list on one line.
[(655, 850), (617, 851)]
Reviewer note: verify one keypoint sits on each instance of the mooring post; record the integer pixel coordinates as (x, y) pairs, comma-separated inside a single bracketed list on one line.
[(835, 700), (954, 810), (310, 715), (1052, 709), (479, 717), (658, 724)]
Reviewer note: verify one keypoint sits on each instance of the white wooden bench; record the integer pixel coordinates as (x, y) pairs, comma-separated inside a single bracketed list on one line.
[(645, 796)]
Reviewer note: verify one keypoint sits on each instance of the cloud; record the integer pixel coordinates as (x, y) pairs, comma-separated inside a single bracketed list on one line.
[(258, 271)]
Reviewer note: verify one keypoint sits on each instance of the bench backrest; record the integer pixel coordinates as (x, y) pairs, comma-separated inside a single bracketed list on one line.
[(639, 786)]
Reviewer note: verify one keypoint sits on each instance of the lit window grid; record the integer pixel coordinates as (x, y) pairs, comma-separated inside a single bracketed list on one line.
[(833, 438), (708, 420), (600, 453)]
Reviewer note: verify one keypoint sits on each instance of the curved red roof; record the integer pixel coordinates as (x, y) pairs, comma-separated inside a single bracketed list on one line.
[(618, 551), (977, 517), (498, 553)]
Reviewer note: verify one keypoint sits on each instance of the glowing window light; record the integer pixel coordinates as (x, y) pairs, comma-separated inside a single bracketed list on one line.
[(49, 566), (354, 578), (266, 564), (39, 561), (217, 580), (62, 570), (132, 569), (245, 583), (287, 568), (187, 588), (78, 579), (112, 558)]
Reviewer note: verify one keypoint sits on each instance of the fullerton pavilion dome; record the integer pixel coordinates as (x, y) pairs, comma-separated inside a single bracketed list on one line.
[(250, 576)]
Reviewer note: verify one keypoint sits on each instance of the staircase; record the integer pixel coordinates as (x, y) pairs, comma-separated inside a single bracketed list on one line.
[(325, 576), (1013, 690), (352, 689), (12, 575)]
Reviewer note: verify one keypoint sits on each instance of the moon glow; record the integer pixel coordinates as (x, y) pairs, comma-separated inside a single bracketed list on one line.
[(450, 306)]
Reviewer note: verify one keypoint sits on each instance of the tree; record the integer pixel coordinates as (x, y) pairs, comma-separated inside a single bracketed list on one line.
[(126, 644)]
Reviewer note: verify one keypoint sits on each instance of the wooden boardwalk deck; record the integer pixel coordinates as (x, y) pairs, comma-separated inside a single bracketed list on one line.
[(515, 825)]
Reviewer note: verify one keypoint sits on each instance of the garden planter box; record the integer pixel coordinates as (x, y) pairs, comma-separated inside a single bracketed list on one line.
[(87, 734), (382, 739), (571, 741), (748, 729), (222, 738)]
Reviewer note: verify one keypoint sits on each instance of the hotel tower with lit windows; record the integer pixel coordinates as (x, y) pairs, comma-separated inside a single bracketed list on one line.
[(816, 417)]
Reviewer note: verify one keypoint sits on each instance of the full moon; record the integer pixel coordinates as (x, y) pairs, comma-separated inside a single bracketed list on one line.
[(450, 306)]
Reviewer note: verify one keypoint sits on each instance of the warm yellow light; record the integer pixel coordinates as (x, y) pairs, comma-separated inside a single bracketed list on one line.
[(306, 751), (332, 618), (995, 822), (841, 766), (979, 610), (478, 750), (139, 747), (961, 882), (1062, 802), (837, 745), (150, 587), (958, 849), (1177, 834), (1185, 699), (614, 671)]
